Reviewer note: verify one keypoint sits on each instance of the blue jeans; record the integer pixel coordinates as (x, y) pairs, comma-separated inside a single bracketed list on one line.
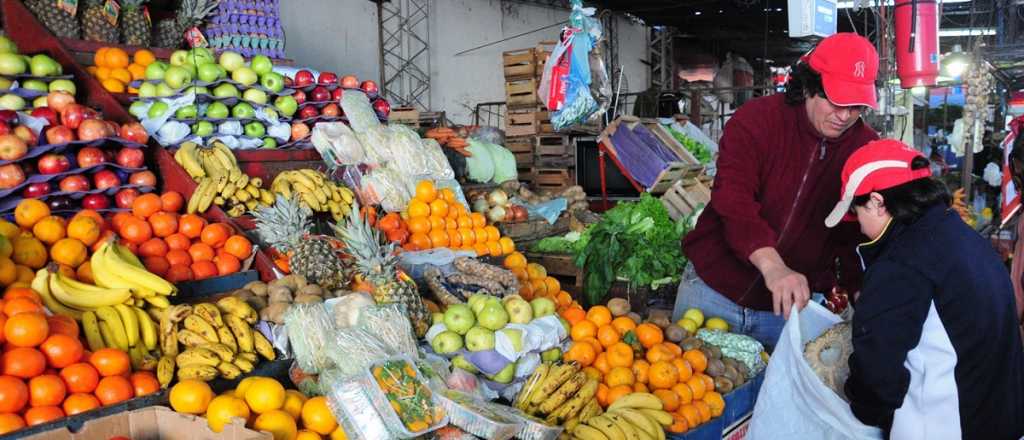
[(693, 293)]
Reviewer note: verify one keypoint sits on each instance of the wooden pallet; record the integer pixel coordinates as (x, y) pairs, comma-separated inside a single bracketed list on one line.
[(524, 159), (553, 178), (520, 144), (686, 196), (405, 115), (527, 122), (520, 94), (567, 161)]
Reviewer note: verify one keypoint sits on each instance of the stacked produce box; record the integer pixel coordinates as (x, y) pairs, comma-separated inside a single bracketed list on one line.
[(249, 27)]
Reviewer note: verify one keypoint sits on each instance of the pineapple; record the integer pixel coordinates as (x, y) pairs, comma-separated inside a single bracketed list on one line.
[(285, 226), (171, 32), (95, 26), (58, 21), (135, 28), (377, 264)]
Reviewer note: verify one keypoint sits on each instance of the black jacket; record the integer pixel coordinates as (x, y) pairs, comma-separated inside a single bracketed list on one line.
[(937, 353)]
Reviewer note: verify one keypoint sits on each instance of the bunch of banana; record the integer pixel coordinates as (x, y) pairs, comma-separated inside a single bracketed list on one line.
[(633, 416), (220, 180), (559, 392), (960, 205), (315, 191), (208, 340)]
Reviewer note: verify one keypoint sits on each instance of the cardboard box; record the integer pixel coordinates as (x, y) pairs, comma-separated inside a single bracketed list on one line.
[(153, 423)]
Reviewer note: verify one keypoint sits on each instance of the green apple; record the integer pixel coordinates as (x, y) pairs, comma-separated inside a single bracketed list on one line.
[(200, 56), (157, 109), (42, 65), (11, 101), (63, 85), (506, 374), (231, 60), (255, 129), (197, 90), (209, 72), (542, 307), (272, 81), (7, 46), (459, 318), (461, 362), (179, 58), (35, 84), (202, 128), (39, 102), (519, 311), (177, 76), (492, 317), (5, 84), (244, 76), (137, 109), (446, 342), (551, 355), (287, 105), (479, 339), (255, 95), (147, 90), (225, 90), (163, 90), (156, 70), (269, 142), (243, 110), (217, 110), (261, 64), (187, 112), (270, 113), (12, 64)]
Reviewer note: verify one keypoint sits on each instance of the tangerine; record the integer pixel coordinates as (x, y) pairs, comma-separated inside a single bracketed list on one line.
[(78, 403), (599, 315), (478, 220), (649, 334), (179, 257), (602, 394), (439, 208), (13, 394), (696, 385), (715, 403), (239, 246), (23, 362), (178, 273), (42, 414), (62, 350), (601, 363), (171, 201), (154, 247), (662, 375), (10, 423), (69, 252), (425, 191), (684, 393), (607, 335), (685, 370), (114, 389), (157, 265), (202, 270), (146, 205), (215, 235), (703, 410), (26, 330), (49, 229), (574, 315), (623, 324), (641, 370), (163, 223), (419, 225), (620, 354), (85, 228), (110, 362), (201, 252), (615, 393), (581, 353), (227, 264), (697, 360), (619, 376), (438, 238), (669, 399), (62, 325), (583, 329), (46, 390), (191, 225), (418, 209), (29, 212), (144, 383), (17, 305), (80, 377), (135, 230)]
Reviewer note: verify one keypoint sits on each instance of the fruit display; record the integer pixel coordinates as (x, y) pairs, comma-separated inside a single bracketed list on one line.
[(497, 207), (447, 137), (59, 21), (25, 80), (534, 281), (575, 196), (286, 229), (170, 32), (315, 191), (636, 415), (272, 299), (468, 278), (116, 71), (221, 182), (559, 392), (409, 399), (248, 27)]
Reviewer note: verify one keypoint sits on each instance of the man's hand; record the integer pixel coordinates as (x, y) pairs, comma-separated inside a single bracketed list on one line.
[(787, 287)]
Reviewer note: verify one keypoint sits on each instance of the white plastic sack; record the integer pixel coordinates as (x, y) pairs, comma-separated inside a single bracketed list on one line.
[(793, 402), (337, 143)]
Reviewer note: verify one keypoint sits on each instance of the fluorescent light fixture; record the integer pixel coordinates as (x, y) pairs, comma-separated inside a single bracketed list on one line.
[(848, 5), (967, 32)]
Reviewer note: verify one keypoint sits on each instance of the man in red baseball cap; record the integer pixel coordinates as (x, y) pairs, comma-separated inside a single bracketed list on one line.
[(936, 348), (761, 245)]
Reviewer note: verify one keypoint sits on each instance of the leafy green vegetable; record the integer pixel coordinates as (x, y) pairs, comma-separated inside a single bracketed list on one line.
[(699, 151), (557, 245)]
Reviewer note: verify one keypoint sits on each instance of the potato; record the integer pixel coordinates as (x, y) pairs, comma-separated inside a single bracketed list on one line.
[(691, 343), (310, 289), (715, 368), (723, 385), (618, 306), (308, 299), (259, 288), (243, 294), (675, 333), (661, 321), (715, 351), (280, 294), (274, 312), (287, 282), (635, 317), (299, 281)]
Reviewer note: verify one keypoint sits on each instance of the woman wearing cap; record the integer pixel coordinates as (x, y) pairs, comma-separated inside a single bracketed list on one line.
[(936, 351), (760, 246)]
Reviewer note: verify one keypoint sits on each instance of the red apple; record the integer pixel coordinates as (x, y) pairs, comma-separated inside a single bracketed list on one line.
[(327, 78), (95, 201), (125, 197), (26, 134), (331, 109), (53, 163), (299, 96), (11, 176), (9, 117), (131, 157), (60, 134), (12, 147), (46, 113), (308, 111), (303, 78), (382, 107), (73, 115), (142, 178), (90, 156), (104, 179), (299, 131), (370, 87), (76, 182), (350, 82), (62, 203), (133, 131), (336, 94), (38, 189), (5, 129), (319, 94), (59, 101), (92, 129)]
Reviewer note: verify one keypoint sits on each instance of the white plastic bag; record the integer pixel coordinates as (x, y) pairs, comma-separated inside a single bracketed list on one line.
[(793, 402)]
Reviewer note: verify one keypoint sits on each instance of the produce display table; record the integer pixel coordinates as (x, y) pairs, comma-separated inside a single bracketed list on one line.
[(739, 404)]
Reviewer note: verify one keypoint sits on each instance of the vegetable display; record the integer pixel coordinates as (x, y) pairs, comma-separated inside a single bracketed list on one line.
[(698, 149)]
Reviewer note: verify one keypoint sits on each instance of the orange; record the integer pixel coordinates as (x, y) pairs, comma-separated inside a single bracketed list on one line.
[(563, 299), (171, 201), (135, 230), (79, 403), (703, 410), (684, 368), (554, 286), (278, 423), (454, 239), (293, 402), (640, 388), (620, 354), (144, 57), (602, 394), (697, 360), (215, 235), (116, 57), (137, 71), (599, 315), (10, 423), (507, 245), (649, 334), (493, 234), (439, 208), (607, 335), (480, 234), (191, 396), (163, 223), (23, 362), (13, 292), (62, 325), (30, 211), (191, 225), (418, 208), (684, 393), (419, 225), (157, 265), (144, 383), (28, 251), (614, 393), (179, 257), (601, 363), (623, 324), (264, 394), (226, 264), (102, 73), (464, 222), (420, 240), (583, 329), (69, 252), (26, 330), (114, 389), (154, 247), (478, 220), (619, 376), (436, 223), (202, 270), (84, 228), (49, 229), (25, 273), (691, 414), (317, 417), (581, 353), (641, 370), (715, 403), (540, 288), (222, 409), (425, 191), (14, 306), (598, 348), (8, 271), (113, 85), (669, 399), (659, 353), (43, 414), (14, 394), (592, 373), (468, 237), (110, 362), (179, 272), (526, 291), (122, 75), (696, 385), (662, 375), (100, 57), (438, 238), (709, 383), (239, 246), (62, 350), (495, 249), (201, 252)]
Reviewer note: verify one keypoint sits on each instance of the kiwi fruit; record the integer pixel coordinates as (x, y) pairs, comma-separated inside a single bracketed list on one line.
[(730, 373), (675, 333), (635, 317), (618, 306), (715, 367), (723, 385), (661, 321), (715, 351), (706, 349), (728, 361), (742, 369), (691, 343)]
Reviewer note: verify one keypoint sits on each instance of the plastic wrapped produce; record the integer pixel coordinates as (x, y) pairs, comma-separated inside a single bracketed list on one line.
[(534, 428), (740, 347), (407, 152), (353, 349), (375, 141), (306, 383), (480, 418), (337, 144), (351, 405), (358, 110), (308, 326), (504, 164), (479, 166), (437, 164), (410, 409), (386, 187), (391, 324)]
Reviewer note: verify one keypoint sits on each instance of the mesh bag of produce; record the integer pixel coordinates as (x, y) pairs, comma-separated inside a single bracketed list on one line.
[(358, 110), (391, 324), (308, 326)]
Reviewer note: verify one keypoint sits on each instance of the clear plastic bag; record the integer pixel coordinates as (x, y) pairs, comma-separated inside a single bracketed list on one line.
[(392, 326), (375, 145), (353, 349), (401, 396), (504, 164), (308, 326), (480, 418), (437, 164), (358, 110), (337, 144), (407, 152), (352, 407), (386, 187), (491, 135)]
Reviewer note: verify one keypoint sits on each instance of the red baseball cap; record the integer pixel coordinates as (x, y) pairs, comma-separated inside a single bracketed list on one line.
[(879, 165), (848, 64)]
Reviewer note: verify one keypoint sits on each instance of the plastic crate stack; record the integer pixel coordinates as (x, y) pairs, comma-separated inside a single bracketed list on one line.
[(249, 27)]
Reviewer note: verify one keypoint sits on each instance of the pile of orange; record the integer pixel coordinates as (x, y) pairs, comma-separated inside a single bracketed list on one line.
[(436, 219), (534, 282), (46, 372), (628, 357), (38, 237), (179, 247), (113, 68)]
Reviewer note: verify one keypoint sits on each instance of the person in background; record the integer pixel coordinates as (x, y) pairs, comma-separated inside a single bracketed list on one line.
[(1016, 165), (936, 349), (759, 246)]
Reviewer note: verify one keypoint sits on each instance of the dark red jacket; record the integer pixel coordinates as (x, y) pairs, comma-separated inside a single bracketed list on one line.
[(777, 180)]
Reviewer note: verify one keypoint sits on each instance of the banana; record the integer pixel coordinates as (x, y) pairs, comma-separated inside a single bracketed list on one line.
[(190, 338), (532, 383), (148, 329), (564, 392), (234, 306), (84, 299), (219, 201), (209, 312), (153, 312), (243, 364), (249, 356), (607, 427), (107, 315), (266, 197), (91, 327), (558, 375), (201, 327), (591, 409), (197, 356), (584, 432), (242, 332), (573, 406), (253, 191), (263, 346), (131, 323), (149, 361), (638, 419), (346, 195), (228, 370), (160, 302), (228, 190), (227, 338), (637, 400), (41, 284), (201, 372), (222, 351), (135, 354), (310, 200), (243, 180), (243, 195), (193, 201), (132, 274), (108, 336), (663, 418), (186, 157), (165, 370), (627, 428), (126, 254), (250, 205)]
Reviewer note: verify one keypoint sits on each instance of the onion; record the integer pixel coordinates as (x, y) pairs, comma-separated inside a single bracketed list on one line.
[(480, 205), (496, 214), (497, 198)]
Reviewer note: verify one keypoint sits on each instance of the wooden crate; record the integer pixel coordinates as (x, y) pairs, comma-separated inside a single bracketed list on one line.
[(522, 63), (528, 122), (520, 144), (686, 196), (560, 266), (405, 115), (524, 159), (553, 145), (520, 94), (553, 178), (525, 173)]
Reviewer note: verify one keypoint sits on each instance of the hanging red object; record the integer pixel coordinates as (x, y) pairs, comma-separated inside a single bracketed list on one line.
[(917, 42)]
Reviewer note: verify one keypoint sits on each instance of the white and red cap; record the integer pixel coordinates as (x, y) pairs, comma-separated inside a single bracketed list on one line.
[(848, 65), (879, 165)]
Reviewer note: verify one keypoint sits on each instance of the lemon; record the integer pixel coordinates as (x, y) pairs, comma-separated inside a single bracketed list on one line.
[(695, 315), (9, 230), (191, 396), (265, 394), (278, 423), (317, 416), (717, 323), (306, 434), (293, 401), (688, 325), (244, 385), (224, 408), (6, 249), (339, 434)]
